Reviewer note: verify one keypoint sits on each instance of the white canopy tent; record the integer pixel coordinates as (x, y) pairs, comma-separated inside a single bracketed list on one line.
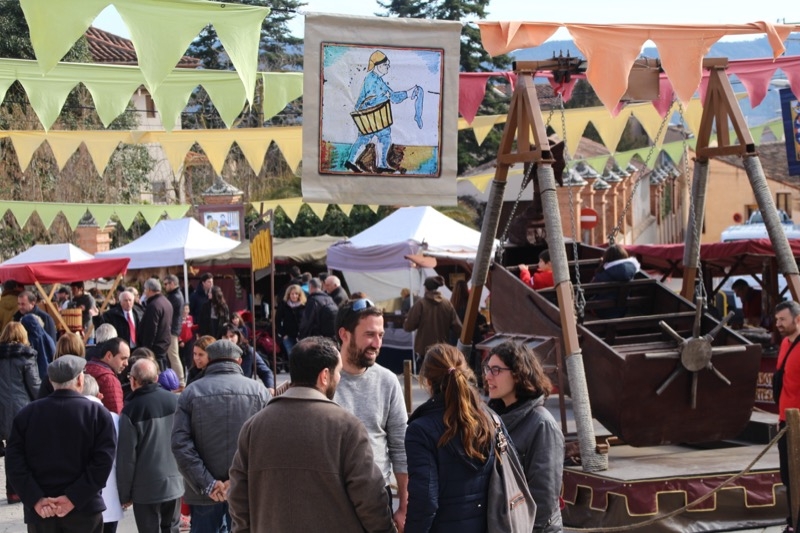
[(172, 243), (43, 253), (374, 261)]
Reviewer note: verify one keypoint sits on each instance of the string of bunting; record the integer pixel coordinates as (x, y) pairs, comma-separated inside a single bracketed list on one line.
[(102, 213)]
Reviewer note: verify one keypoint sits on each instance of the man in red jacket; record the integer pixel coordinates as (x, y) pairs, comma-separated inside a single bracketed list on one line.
[(787, 317), (114, 359)]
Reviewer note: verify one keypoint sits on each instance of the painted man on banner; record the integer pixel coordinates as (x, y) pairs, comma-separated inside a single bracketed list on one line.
[(373, 115)]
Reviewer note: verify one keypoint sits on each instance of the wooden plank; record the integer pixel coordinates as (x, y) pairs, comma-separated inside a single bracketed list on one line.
[(715, 151)]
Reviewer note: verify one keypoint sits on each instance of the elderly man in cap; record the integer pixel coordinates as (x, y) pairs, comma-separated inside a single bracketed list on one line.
[(60, 484), (211, 412)]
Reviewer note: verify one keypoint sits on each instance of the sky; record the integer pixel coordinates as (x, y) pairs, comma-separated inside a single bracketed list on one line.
[(586, 11)]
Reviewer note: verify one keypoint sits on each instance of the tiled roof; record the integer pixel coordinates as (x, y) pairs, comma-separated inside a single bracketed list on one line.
[(773, 161), (109, 48)]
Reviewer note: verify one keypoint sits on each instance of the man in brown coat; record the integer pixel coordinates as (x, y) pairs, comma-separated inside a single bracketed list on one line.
[(304, 463)]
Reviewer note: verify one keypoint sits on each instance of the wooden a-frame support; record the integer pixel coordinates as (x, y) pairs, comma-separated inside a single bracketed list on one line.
[(721, 111), (526, 125)]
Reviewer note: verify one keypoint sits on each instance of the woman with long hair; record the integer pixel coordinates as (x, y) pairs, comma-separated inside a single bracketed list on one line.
[(249, 356), (213, 314), (290, 310), (19, 381), (450, 449), (199, 358), (69, 343), (518, 388)]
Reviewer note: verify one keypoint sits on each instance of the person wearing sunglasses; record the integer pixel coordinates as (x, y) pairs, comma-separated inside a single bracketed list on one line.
[(518, 387), (373, 394)]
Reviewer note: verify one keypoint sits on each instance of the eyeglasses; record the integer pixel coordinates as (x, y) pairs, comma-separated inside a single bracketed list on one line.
[(493, 370), (360, 305)]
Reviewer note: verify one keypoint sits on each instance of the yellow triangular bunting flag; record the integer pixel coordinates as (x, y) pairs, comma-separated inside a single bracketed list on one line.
[(291, 207), (63, 147), (318, 209), (481, 126)]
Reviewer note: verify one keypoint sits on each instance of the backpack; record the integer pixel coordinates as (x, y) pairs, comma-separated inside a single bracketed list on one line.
[(511, 508)]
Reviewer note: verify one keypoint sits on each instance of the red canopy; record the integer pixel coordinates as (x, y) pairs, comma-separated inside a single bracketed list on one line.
[(720, 258), (64, 271)]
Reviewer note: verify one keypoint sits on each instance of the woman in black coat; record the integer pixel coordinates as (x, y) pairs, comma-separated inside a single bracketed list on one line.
[(19, 381), (449, 447), (288, 315)]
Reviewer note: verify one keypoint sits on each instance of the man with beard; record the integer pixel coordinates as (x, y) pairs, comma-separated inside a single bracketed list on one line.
[(787, 316), (373, 393), (305, 464)]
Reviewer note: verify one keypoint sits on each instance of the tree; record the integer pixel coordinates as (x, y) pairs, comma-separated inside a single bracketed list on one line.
[(278, 50), (473, 59)]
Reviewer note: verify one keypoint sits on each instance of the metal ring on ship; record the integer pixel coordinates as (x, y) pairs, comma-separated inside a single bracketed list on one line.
[(373, 119)]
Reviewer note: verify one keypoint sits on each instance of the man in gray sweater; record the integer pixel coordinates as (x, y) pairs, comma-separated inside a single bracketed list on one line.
[(373, 394)]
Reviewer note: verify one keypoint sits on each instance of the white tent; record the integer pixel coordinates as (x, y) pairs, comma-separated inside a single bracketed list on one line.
[(172, 243), (42, 253), (374, 261)]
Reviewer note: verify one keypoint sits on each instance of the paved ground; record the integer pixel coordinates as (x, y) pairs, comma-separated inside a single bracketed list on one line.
[(11, 520)]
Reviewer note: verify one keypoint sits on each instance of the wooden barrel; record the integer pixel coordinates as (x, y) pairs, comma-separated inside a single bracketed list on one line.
[(73, 318), (373, 119)]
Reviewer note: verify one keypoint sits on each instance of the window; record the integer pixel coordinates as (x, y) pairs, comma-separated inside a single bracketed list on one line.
[(150, 106), (783, 201)]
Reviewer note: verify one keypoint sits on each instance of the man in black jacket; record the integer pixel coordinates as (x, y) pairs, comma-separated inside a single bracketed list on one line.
[(333, 286), (200, 295), (147, 474), (154, 330), (121, 316), (60, 484), (26, 303), (319, 315)]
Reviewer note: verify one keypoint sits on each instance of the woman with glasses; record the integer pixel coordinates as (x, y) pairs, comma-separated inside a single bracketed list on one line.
[(518, 387), (449, 447)]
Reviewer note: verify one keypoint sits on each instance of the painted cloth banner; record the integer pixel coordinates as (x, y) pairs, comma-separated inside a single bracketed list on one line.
[(380, 116), (790, 107)]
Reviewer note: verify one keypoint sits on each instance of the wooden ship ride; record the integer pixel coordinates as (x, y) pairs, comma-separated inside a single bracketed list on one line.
[(661, 375)]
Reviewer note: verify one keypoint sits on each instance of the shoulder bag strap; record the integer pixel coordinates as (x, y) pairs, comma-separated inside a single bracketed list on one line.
[(788, 353)]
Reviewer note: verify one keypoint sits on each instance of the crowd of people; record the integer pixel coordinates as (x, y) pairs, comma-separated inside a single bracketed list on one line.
[(335, 447)]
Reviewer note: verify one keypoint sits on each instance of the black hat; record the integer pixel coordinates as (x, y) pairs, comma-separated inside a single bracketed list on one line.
[(65, 368)]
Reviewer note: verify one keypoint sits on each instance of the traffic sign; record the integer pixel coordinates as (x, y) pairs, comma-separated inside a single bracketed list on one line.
[(589, 218)]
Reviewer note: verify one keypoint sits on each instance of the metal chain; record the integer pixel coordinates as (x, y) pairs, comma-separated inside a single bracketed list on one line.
[(580, 298), (501, 248), (615, 230)]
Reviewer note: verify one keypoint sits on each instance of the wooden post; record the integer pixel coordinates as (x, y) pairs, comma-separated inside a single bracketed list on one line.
[(793, 450), (407, 384), (51, 308)]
